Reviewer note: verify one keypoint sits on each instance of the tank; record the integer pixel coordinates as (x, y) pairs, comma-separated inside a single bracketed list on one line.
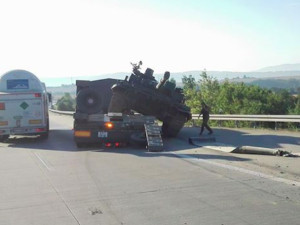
[(142, 93)]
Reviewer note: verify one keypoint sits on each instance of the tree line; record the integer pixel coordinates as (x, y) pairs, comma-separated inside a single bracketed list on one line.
[(225, 98), (66, 103), (237, 98)]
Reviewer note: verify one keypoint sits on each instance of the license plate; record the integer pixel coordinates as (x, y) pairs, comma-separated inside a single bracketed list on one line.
[(102, 134)]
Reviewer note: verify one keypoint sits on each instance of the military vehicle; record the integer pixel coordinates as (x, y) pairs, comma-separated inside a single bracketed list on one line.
[(142, 93), (106, 110), (93, 124)]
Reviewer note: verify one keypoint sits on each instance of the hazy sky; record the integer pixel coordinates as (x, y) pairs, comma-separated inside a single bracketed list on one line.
[(64, 38)]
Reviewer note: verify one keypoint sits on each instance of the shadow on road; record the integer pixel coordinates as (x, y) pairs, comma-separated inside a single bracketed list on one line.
[(58, 140), (258, 138), (144, 153), (62, 140)]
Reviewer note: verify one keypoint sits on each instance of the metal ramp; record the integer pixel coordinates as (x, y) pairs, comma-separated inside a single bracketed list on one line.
[(154, 140)]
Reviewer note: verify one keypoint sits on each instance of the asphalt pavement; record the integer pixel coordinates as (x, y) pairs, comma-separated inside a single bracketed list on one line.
[(53, 182)]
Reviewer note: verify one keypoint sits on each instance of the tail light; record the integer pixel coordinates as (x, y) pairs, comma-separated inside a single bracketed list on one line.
[(40, 129), (109, 125), (116, 144), (108, 144), (2, 106), (37, 95)]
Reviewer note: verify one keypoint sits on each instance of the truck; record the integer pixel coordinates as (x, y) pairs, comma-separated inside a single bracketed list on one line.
[(113, 111), (23, 105), (94, 124)]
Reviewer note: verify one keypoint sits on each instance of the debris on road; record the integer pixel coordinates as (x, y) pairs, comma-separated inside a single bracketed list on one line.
[(263, 151), (210, 142), (94, 211)]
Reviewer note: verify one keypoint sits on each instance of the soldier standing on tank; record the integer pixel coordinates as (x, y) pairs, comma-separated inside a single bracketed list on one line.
[(205, 112)]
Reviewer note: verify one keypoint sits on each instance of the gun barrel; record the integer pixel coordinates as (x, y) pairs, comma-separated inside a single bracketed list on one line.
[(164, 80)]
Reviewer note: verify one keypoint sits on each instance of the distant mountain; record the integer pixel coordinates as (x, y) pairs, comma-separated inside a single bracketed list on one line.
[(285, 76), (293, 84), (221, 75), (283, 67), (285, 70)]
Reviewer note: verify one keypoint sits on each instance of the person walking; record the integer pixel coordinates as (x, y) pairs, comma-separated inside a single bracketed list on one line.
[(205, 114)]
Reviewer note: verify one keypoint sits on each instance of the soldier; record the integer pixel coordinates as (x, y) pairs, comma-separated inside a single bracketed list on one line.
[(205, 112)]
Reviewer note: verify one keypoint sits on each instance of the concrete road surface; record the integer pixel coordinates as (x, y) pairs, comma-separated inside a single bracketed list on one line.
[(50, 181)]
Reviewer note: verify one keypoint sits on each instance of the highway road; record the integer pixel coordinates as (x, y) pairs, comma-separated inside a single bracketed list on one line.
[(51, 182)]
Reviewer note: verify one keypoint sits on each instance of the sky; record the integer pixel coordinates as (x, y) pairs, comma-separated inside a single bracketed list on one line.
[(69, 38)]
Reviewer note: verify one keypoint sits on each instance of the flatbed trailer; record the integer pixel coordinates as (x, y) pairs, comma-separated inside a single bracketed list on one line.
[(107, 129), (115, 130)]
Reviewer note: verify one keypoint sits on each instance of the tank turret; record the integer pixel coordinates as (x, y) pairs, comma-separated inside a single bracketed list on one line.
[(163, 80), (143, 94)]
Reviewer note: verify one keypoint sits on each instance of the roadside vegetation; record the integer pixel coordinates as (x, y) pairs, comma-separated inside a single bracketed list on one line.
[(238, 98), (227, 98), (66, 103)]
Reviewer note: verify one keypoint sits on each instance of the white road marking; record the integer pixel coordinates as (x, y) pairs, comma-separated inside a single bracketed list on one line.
[(43, 162), (242, 170)]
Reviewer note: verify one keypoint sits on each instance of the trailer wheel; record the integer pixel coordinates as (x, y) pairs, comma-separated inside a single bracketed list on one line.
[(89, 101), (81, 145), (46, 134), (4, 137), (138, 139)]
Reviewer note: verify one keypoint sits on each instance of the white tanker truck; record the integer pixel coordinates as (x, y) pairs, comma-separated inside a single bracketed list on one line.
[(23, 105)]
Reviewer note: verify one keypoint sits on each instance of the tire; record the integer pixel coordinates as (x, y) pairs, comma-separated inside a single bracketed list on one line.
[(89, 101), (46, 134), (138, 139), (172, 126), (80, 145), (4, 137)]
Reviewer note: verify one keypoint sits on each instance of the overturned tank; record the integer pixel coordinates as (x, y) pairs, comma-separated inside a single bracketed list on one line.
[(143, 94)]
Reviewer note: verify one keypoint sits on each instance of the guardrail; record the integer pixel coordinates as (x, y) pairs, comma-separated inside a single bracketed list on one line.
[(233, 117), (62, 112), (257, 118), (253, 118)]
